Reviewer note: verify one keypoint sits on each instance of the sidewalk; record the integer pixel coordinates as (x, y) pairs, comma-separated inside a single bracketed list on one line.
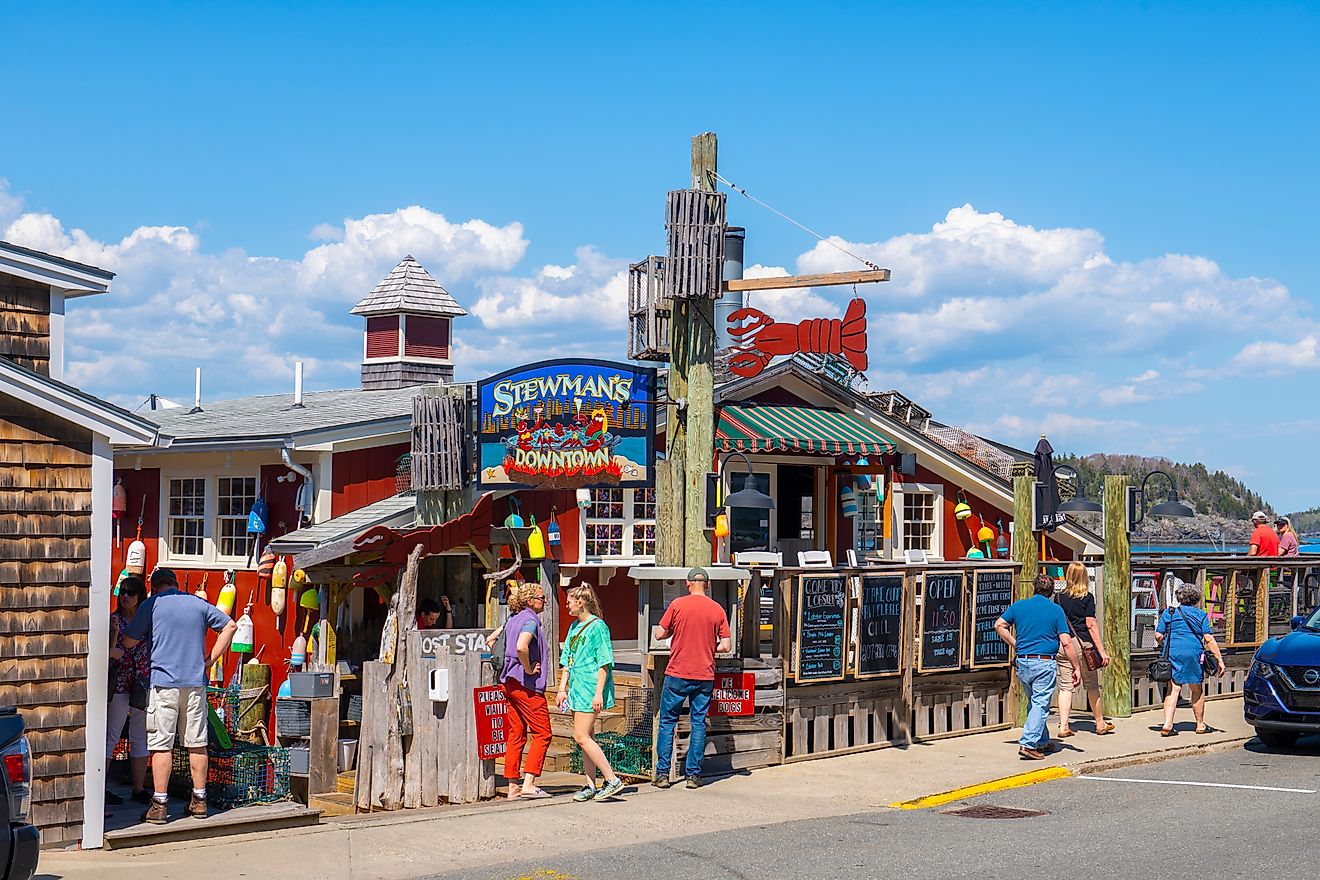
[(415, 843)]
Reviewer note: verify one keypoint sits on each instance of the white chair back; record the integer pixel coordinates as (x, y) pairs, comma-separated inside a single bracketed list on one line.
[(815, 559), (759, 558)]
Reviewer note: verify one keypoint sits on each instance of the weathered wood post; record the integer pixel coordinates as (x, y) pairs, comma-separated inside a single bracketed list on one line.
[(1116, 679), (1025, 551)]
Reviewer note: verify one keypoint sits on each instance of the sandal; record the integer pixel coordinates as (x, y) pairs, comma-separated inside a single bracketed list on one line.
[(1204, 729), (1167, 731), (1107, 728), (515, 791), (536, 793), (1064, 734)]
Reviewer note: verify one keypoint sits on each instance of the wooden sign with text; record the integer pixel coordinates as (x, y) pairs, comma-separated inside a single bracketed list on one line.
[(491, 707), (735, 694)]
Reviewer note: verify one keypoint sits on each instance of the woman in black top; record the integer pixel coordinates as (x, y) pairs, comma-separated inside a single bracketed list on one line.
[(1079, 607)]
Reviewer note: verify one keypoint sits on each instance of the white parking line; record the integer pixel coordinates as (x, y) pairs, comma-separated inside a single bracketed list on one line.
[(1201, 784)]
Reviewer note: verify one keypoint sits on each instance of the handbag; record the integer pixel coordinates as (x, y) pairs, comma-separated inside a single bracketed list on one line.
[(1161, 668), (1209, 666), (1090, 653), (139, 694)]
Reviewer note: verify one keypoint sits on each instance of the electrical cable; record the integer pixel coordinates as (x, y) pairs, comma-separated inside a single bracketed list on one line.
[(807, 229)]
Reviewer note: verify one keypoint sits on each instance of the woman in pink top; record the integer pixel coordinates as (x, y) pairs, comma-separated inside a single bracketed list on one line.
[(1288, 545)]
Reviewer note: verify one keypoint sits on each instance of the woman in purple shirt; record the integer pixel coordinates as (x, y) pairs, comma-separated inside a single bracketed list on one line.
[(523, 677)]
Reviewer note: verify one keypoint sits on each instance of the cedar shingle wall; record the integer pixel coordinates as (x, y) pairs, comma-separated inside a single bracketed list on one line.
[(25, 323), (45, 576)]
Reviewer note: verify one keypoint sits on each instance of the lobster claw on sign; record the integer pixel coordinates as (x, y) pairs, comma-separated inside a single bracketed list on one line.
[(760, 320), (748, 363), (853, 337)]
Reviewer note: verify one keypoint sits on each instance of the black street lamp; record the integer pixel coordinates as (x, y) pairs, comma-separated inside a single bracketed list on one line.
[(1172, 506), (748, 497), (1079, 503)]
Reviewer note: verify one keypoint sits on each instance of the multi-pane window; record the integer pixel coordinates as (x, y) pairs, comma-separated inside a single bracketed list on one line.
[(643, 522), (187, 517), (234, 498), (620, 523), (920, 521)]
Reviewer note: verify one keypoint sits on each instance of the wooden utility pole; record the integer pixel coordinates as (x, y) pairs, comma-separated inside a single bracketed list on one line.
[(1025, 551), (1116, 678), (690, 431)]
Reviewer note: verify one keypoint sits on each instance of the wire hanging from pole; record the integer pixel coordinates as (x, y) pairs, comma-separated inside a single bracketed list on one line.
[(733, 186)]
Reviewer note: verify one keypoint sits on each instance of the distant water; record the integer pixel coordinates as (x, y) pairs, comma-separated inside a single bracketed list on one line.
[(1204, 547)]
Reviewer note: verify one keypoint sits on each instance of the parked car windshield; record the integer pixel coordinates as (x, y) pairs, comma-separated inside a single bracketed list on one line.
[(1312, 622)]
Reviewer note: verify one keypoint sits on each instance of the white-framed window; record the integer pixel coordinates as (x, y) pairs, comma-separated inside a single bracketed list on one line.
[(920, 525), (186, 515), (620, 524), (234, 497)]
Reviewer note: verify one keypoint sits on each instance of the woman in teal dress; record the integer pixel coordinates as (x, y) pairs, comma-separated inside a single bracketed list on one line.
[(586, 687), (1188, 630)]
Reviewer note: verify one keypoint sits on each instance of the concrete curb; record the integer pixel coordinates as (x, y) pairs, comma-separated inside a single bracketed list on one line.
[(1017, 780), (1105, 765)]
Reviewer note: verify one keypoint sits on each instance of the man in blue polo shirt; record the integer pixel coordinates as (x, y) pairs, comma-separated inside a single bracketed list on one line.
[(1039, 628)]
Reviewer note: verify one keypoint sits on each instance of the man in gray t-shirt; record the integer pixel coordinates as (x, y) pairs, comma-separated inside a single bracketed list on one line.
[(176, 623)]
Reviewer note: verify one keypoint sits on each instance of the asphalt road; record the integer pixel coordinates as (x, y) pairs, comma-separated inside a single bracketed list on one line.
[(1126, 823)]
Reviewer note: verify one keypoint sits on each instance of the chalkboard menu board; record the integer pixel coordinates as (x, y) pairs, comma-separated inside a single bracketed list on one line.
[(821, 622), (1247, 609), (941, 639), (879, 625), (992, 593)]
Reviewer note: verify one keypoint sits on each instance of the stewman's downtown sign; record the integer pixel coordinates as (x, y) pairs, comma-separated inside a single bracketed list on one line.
[(568, 424)]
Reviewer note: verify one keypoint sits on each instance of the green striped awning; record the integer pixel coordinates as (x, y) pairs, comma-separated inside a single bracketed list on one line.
[(796, 429)]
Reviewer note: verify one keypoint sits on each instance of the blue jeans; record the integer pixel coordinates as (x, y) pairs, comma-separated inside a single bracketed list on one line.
[(1037, 678), (675, 691)]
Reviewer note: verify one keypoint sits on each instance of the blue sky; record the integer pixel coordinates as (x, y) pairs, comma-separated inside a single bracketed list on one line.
[(1100, 220)]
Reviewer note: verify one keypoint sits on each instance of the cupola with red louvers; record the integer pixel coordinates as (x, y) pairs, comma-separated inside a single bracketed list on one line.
[(408, 334)]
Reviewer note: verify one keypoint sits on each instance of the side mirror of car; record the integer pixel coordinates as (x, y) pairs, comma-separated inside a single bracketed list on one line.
[(1297, 621)]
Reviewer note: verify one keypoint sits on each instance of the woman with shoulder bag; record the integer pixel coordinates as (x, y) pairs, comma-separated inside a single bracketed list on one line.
[(1192, 650), (1079, 607), (130, 676), (586, 687)]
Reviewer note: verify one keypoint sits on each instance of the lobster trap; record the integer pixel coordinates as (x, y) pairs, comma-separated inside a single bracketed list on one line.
[(648, 311), (694, 244), (239, 777), (628, 754)]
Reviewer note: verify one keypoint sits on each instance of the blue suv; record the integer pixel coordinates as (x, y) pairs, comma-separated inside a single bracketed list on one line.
[(1282, 695)]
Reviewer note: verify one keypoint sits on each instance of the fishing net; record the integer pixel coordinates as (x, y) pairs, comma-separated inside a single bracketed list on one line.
[(225, 703), (239, 777)]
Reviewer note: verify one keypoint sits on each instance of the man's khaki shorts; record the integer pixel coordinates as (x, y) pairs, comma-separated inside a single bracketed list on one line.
[(164, 723)]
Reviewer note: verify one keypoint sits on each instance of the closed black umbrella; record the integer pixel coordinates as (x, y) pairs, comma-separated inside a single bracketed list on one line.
[(1047, 489)]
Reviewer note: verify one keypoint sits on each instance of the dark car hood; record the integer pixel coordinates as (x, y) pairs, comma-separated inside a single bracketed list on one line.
[(1295, 649)]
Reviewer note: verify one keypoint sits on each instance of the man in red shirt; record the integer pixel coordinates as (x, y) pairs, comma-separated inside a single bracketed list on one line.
[(697, 629), (1264, 540)]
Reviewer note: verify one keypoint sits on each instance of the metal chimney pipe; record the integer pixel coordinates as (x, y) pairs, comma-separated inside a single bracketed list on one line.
[(197, 393), (734, 239), (297, 384)]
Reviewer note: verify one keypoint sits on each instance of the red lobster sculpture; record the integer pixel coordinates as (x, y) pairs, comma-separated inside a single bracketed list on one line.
[(758, 341)]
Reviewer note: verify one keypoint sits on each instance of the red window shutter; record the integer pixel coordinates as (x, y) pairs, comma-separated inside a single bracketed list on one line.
[(426, 337), (383, 337)]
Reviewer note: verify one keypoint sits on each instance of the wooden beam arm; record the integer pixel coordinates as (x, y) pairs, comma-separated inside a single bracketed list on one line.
[(829, 278)]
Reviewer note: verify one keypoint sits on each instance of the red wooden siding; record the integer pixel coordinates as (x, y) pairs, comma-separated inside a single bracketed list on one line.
[(364, 476), (426, 337), (383, 336)]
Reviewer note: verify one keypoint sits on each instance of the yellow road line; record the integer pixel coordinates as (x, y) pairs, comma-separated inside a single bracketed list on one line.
[(1016, 781)]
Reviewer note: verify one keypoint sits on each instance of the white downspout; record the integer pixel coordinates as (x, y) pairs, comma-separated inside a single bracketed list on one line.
[(308, 491)]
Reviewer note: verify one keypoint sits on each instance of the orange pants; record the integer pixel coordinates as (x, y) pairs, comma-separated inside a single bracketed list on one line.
[(528, 712)]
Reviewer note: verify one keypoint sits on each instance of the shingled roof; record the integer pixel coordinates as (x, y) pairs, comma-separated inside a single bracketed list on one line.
[(273, 417), (409, 288)]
